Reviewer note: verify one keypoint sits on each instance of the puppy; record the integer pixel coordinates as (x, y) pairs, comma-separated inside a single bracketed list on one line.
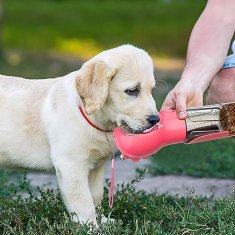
[(44, 123)]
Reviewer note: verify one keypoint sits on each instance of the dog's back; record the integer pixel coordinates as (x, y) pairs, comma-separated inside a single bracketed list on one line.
[(22, 134)]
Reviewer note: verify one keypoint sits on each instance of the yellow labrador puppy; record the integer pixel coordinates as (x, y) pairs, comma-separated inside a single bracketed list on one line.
[(65, 124)]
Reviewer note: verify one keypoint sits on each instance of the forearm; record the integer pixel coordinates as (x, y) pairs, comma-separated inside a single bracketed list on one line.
[(209, 42)]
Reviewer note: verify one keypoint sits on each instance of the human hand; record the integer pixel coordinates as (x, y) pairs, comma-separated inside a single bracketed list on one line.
[(185, 94)]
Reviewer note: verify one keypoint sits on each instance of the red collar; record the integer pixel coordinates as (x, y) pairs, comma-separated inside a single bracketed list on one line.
[(93, 125)]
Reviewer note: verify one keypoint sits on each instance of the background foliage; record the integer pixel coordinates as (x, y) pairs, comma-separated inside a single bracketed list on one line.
[(85, 27)]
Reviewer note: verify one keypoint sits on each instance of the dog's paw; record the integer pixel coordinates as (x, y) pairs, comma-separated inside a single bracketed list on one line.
[(83, 221), (105, 220)]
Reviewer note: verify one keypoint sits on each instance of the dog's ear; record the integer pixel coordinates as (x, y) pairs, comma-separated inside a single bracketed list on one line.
[(93, 84)]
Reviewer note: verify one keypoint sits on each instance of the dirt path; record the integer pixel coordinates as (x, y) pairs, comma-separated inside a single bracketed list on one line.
[(181, 185)]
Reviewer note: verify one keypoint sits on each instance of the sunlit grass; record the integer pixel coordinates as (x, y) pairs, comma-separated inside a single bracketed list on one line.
[(86, 48), (86, 27)]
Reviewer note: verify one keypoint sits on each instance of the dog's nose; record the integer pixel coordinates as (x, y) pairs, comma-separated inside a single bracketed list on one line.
[(153, 119)]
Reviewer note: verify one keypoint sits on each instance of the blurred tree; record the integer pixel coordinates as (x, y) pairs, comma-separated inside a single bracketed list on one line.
[(1, 26)]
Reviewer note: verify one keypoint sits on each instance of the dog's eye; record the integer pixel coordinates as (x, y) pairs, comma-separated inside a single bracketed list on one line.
[(134, 92)]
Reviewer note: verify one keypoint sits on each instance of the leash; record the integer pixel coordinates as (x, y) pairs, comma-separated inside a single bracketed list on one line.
[(111, 188)]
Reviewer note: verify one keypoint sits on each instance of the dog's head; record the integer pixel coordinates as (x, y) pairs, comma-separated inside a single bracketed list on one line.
[(118, 83)]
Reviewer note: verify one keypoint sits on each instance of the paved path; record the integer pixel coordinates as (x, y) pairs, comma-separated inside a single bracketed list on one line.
[(181, 185)]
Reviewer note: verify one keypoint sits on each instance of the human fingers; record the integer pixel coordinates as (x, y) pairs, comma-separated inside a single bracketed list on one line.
[(180, 105)]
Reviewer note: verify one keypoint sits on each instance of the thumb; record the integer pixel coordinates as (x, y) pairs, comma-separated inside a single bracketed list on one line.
[(180, 106)]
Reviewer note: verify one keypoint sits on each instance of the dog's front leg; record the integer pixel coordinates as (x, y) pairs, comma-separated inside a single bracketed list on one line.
[(74, 186), (96, 183)]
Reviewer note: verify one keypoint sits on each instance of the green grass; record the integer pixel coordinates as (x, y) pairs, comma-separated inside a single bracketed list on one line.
[(135, 212), (208, 159), (88, 26), (10, 182)]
